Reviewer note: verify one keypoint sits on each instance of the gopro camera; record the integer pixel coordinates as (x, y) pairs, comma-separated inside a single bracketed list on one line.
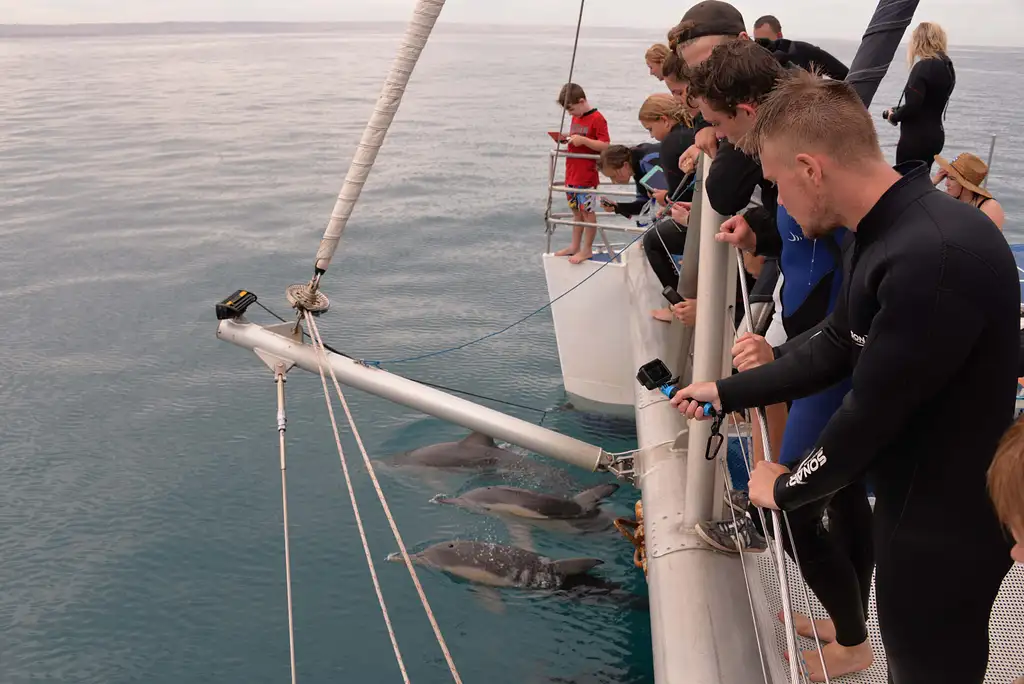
[(655, 375)]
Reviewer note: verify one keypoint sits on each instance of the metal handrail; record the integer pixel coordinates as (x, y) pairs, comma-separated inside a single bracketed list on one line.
[(596, 191), (606, 226)]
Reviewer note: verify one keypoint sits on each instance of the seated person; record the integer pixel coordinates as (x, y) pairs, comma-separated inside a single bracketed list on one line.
[(963, 181)]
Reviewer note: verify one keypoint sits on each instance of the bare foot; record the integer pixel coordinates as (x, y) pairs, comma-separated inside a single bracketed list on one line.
[(568, 251), (580, 257), (662, 315), (826, 630), (840, 660)]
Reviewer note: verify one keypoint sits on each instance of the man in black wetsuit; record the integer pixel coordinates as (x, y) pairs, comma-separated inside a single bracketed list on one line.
[(927, 323)]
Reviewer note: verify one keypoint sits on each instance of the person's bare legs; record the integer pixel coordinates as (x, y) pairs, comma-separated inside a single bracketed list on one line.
[(577, 236), (589, 233)]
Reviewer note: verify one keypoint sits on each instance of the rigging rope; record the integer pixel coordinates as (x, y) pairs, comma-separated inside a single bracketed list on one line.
[(779, 563), (355, 507), (321, 352), (282, 423), (544, 412), (508, 327), (743, 562)]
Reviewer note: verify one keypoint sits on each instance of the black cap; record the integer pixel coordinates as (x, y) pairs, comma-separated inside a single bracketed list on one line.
[(710, 18)]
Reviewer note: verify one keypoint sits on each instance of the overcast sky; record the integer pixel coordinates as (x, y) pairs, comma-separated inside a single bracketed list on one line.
[(975, 22)]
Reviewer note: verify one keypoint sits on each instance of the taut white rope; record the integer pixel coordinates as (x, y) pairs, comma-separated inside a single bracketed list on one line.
[(322, 353), (787, 608), (355, 507), (743, 565), (282, 424)]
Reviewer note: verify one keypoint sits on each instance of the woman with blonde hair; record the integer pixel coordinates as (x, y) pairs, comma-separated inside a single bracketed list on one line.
[(669, 123), (654, 57), (963, 181), (925, 97)]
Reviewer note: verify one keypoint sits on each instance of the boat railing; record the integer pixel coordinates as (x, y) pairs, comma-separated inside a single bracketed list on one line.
[(552, 220)]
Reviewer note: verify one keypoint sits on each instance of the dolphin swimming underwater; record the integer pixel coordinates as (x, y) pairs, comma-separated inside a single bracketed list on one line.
[(497, 565), (475, 451), (581, 513)]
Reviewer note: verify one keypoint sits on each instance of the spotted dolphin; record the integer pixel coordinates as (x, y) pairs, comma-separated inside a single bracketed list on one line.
[(491, 566), (581, 513), (497, 565)]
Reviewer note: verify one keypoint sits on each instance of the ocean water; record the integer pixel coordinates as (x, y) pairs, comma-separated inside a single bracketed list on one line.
[(146, 177)]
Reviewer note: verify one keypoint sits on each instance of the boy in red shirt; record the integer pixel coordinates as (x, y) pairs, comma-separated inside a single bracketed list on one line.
[(588, 134)]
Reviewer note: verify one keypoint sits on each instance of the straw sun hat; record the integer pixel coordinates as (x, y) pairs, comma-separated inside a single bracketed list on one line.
[(967, 170)]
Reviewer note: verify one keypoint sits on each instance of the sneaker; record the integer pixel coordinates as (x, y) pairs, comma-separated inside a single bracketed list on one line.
[(723, 535), (737, 500)]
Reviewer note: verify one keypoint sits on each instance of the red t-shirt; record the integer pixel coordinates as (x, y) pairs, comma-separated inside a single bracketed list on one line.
[(583, 172)]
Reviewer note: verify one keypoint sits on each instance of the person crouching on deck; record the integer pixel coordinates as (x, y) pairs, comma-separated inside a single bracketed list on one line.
[(587, 134)]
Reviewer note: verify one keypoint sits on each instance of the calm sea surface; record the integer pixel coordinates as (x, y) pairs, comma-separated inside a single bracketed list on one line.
[(144, 178)]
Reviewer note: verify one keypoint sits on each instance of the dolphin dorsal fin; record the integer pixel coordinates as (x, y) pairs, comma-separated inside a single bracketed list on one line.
[(589, 498), (575, 566), (478, 439)]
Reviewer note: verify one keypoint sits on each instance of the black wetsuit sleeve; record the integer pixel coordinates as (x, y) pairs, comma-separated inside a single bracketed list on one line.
[(820, 362), (795, 342), (909, 352), (731, 180), (913, 93), (765, 227), (824, 61), (678, 140), (631, 209)]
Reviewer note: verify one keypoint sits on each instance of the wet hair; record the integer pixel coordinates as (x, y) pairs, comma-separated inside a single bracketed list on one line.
[(614, 156), (662, 105), (570, 94), (815, 114), (772, 22), (737, 72), (674, 67), (657, 53), (1006, 478), (927, 41)]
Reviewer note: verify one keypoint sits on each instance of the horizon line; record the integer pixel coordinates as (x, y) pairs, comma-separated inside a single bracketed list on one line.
[(24, 28)]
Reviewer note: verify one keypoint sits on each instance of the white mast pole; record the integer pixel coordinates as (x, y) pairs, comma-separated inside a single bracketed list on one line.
[(416, 34)]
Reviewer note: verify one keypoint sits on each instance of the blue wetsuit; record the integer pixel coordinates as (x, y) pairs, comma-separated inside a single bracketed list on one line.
[(812, 277)]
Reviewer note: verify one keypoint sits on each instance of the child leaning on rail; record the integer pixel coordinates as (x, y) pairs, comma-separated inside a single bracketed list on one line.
[(588, 134)]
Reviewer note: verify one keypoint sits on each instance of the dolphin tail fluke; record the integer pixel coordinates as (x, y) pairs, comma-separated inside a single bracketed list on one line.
[(590, 498), (575, 566), (478, 439)]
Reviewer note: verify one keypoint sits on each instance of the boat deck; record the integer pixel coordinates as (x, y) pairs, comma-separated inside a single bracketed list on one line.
[(1006, 659)]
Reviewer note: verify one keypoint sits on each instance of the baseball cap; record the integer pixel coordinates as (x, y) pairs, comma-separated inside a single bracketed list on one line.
[(709, 18)]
